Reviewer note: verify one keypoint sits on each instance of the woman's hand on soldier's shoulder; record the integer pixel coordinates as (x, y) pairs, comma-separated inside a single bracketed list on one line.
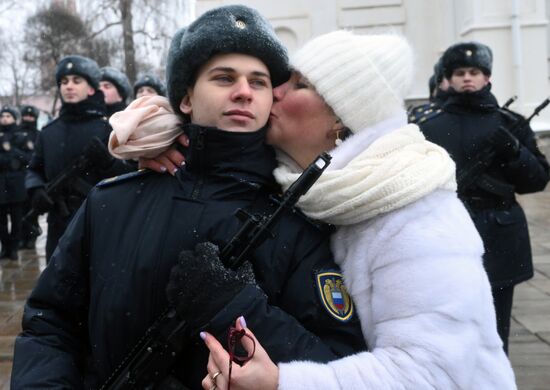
[(168, 161)]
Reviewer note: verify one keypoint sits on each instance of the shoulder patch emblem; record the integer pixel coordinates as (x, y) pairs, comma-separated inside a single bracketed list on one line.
[(122, 178), (334, 295)]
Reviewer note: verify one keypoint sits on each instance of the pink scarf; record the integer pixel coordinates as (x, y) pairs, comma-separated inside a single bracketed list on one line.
[(146, 128)]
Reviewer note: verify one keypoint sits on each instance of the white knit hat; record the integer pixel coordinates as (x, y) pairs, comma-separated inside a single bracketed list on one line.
[(363, 78)]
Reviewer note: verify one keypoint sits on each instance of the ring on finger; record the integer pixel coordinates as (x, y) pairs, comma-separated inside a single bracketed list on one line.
[(215, 375)]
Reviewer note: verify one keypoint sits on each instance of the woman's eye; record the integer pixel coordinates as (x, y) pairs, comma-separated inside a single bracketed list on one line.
[(300, 85)]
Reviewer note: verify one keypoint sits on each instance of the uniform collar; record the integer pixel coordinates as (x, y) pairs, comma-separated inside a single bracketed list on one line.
[(9, 128), (115, 107), (482, 100), (243, 155), (92, 107)]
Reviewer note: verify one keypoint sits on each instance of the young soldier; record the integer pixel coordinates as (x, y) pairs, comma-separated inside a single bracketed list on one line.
[(470, 125), (28, 126), (29, 118), (81, 126), (115, 87), (15, 151), (149, 85), (106, 283)]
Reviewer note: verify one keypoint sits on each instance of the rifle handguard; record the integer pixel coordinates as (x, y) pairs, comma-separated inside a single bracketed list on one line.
[(256, 228)]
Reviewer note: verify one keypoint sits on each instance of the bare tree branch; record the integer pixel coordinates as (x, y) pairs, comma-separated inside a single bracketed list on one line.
[(106, 27), (8, 6)]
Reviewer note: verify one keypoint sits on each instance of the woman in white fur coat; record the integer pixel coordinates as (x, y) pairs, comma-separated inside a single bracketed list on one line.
[(411, 256)]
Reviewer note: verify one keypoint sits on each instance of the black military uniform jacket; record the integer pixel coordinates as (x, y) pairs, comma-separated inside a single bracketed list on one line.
[(63, 140), (15, 152), (115, 107), (29, 128), (462, 127), (425, 111), (106, 282)]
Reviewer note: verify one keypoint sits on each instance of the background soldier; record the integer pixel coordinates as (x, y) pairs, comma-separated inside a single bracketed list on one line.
[(149, 85), (471, 126), (15, 151), (81, 126), (115, 87), (438, 86), (29, 118)]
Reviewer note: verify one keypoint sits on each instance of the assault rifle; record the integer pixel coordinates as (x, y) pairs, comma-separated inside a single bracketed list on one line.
[(468, 175), (149, 363), (69, 177), (509, 102)]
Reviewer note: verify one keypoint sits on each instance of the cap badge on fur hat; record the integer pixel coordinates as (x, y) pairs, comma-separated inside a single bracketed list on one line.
[(69, 65), (240, 24), (467, 55)]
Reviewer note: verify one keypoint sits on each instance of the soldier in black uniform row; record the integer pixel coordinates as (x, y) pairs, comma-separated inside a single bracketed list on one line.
[(149, 85), (116, 89), (29, 118), (15, 152), (438, 86), (105, 284), (81, 123), (28, 126), (469, 125)]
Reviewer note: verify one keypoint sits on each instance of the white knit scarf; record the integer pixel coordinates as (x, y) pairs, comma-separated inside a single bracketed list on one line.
[(380, 169)]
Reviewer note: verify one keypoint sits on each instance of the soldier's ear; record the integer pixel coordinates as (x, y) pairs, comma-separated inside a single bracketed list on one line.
[(91, 91), (186, 105)]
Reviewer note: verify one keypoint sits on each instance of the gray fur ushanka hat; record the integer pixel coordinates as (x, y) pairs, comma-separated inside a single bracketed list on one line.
[(468, 54), (223, 30), (80, 66), (150, 80), (30, 111), (118, 79), (13, 111)]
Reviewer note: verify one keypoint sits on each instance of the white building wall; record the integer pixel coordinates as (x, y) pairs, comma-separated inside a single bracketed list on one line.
[(431, 26)]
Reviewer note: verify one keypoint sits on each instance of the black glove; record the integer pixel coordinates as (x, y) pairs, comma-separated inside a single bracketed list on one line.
[(97, 153), (40, 201), (505, 144), (200, 286)]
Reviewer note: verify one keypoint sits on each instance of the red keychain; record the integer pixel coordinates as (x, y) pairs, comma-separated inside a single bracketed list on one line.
[(233, 338)]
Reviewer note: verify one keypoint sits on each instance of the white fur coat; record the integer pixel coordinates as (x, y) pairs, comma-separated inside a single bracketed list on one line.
[(425, 304)]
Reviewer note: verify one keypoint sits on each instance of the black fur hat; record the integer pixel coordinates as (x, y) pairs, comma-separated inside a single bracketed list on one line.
[(436, 78), (438, 71), (30, 110), (468, 54), (432, 85), (150, 80), (13, 111), (80, 66), (228, 29), (118, 79)]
